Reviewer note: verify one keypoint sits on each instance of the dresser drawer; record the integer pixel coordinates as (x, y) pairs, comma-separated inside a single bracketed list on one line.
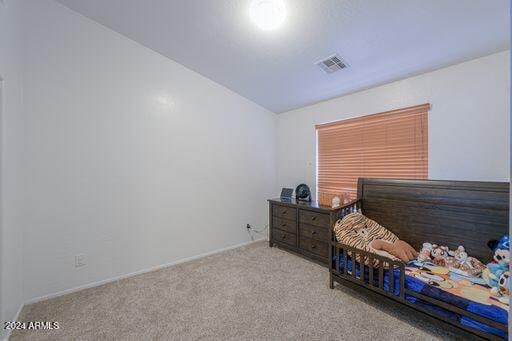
[(284, 212), (284, 237), (284, 224), (313, 232), (314, 246), (314, 218)]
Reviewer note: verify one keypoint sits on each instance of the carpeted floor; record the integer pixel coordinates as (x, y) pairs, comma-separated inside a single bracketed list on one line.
[(251, 293)]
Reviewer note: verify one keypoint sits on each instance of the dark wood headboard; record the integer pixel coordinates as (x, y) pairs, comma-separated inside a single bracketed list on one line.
[(450, 213)]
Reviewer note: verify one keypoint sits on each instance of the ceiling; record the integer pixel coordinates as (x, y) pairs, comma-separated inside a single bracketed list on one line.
[(382, 41)]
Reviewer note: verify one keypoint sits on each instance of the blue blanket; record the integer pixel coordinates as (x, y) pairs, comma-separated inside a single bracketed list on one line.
[(413, 284)]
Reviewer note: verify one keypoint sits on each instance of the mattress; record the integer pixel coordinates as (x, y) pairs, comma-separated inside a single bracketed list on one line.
[(495, 311)]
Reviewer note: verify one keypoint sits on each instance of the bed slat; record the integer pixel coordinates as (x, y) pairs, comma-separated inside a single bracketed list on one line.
[(354, 260), (381, 274), (371, 270), (392, 279), (361, 267), (345, 264)]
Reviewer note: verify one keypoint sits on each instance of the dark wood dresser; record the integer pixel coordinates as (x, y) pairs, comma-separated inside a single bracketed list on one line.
[(301, 227)]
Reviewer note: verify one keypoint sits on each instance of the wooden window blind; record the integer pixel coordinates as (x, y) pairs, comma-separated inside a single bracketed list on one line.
[(392, 144)]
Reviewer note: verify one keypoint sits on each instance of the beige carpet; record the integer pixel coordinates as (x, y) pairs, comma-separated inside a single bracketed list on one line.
[(251, 293)]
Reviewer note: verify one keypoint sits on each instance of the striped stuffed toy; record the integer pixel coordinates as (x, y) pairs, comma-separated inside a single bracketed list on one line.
[(359, 232)]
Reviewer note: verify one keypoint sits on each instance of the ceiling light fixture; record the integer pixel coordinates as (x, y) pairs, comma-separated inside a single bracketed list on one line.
[(267, 14)]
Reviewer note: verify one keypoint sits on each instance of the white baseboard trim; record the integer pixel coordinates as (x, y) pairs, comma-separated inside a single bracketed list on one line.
[(16, 318), (117, 278)]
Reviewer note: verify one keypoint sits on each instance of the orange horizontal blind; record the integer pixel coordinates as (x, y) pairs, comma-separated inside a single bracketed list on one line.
[(393, 144)]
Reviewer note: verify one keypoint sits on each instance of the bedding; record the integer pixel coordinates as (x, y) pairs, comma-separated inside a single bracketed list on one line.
[(455, 290)]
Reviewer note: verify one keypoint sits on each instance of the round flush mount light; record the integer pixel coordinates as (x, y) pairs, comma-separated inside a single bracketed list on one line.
[(267, 14)]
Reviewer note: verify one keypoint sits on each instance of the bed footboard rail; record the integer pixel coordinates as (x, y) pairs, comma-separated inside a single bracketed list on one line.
[(380, 274)]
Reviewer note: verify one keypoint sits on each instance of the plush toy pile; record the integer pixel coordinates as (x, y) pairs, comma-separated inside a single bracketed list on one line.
[(494, 274), (457, 261)]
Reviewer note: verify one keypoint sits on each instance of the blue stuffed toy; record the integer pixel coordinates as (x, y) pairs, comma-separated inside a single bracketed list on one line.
[(497, 272)]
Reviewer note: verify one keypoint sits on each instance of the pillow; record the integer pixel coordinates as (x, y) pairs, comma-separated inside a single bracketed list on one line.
[(359, 231)]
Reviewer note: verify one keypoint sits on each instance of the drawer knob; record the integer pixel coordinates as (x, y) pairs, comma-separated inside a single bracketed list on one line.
[(283, 236), (313, 218), (313, 246), (284, 212), (283, 224), (313, 232)]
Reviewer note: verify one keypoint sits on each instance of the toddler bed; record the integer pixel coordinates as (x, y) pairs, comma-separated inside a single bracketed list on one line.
[(467, 213)]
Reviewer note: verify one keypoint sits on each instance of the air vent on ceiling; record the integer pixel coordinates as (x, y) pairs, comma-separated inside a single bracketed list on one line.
[(331, 64)]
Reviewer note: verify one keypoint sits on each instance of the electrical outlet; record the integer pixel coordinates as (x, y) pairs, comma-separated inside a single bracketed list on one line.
[(79, 261)]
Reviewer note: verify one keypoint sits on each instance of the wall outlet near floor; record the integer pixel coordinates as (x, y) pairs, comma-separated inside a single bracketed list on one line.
[(79, 261)]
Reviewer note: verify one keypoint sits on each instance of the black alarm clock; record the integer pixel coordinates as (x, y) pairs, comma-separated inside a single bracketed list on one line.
[(302, 193)]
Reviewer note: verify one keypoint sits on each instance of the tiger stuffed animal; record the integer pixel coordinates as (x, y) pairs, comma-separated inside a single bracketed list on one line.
[(361, 232)]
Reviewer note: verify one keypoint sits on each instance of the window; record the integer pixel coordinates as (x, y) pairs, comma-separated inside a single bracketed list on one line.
[(392, 144)]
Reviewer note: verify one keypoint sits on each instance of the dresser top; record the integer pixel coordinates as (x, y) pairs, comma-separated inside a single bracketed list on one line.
[(309, 205)]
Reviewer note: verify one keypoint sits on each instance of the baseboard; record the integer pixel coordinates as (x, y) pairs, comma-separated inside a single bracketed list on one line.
[(117, 278), (16, 318)]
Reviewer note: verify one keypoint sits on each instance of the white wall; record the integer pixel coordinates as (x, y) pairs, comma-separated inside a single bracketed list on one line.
[(468, 121), (10, 134), (117, 175)]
